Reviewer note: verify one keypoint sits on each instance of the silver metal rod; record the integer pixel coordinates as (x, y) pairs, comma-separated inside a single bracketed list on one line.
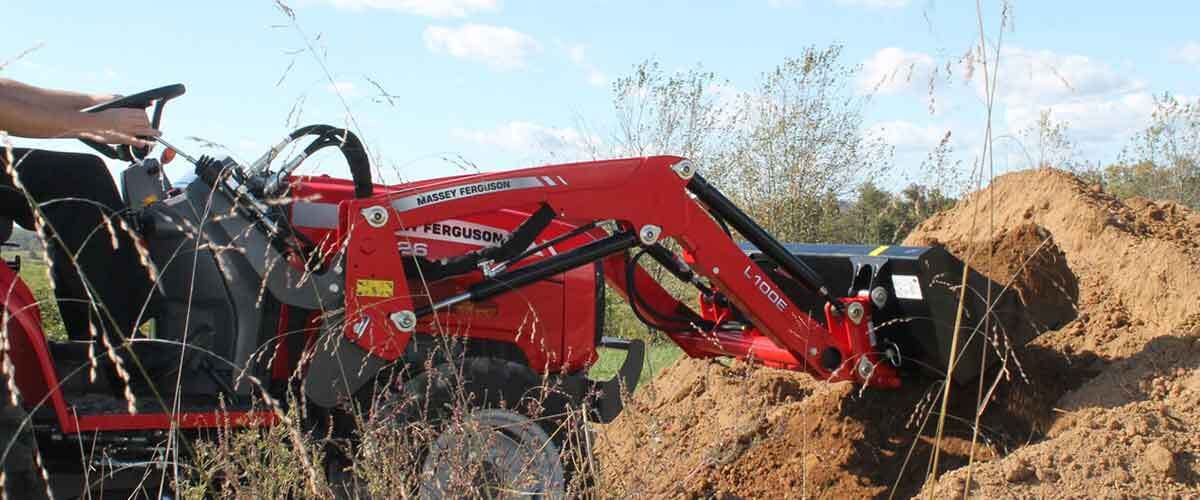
[(444, 303), (176, 150)]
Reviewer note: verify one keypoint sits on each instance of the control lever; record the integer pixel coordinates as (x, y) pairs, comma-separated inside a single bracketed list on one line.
[(177, 151)]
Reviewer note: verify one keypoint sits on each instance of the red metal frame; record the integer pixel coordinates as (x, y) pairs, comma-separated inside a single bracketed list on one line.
[(633, 193), (551, 322)]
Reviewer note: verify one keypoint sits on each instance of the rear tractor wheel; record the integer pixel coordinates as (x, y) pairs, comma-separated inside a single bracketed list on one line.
[(489, 428)]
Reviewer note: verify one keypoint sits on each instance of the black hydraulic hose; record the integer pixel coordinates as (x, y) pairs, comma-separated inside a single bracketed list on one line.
[(553, 241), (522, 237), (682, 324), (561, 263), (672, 265), (517, 278), (767, 244), (508, 252), (350, 146)]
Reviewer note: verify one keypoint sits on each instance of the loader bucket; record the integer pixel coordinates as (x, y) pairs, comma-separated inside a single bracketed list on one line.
[(915, 293)]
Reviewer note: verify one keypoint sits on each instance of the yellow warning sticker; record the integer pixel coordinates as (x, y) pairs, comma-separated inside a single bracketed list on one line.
[(374, 288), (879, 250)]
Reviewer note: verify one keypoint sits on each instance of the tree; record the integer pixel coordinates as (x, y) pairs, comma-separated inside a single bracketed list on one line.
[(661, 113), (799, 146), (1162, 161), (878, 217), (788, 152), (1047, 144), (874, 218)]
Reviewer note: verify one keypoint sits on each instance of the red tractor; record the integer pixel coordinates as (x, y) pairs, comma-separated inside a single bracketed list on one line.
[(276, 290)]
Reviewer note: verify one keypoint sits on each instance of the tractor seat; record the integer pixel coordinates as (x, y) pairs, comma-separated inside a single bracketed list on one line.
[(160, 361)]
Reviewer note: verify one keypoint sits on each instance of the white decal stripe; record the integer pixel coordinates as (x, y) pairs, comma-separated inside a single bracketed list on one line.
[(563, 181), (549, 181), (457, 231), (453, 193)]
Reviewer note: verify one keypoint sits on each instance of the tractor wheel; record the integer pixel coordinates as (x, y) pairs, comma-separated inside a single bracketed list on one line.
[(18, 451), (491, 427)]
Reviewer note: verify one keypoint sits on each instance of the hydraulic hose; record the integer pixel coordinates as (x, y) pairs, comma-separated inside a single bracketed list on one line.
[(350, 146)]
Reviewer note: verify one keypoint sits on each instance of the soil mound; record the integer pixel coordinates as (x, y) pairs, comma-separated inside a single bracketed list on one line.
[(1130, 427), (1103, 404), (1026, 259), (1144, 252)]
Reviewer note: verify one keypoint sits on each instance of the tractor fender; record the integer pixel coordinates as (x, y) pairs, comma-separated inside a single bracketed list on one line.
[(338, 369)]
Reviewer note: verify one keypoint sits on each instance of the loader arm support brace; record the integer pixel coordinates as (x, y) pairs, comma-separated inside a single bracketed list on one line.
[(648, 200)]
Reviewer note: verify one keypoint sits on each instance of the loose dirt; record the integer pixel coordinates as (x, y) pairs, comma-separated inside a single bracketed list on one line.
[(1104, 403)]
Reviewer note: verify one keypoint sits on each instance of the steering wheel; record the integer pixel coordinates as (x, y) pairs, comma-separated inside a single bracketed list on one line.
[(140, 100)]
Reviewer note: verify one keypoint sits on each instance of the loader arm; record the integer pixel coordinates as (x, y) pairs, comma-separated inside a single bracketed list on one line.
[(647, 200)]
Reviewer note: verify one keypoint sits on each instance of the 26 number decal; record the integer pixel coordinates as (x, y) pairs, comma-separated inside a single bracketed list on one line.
[(409, 249)]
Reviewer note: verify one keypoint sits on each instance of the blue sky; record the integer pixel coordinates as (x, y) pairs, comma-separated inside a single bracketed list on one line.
[(504, 83)]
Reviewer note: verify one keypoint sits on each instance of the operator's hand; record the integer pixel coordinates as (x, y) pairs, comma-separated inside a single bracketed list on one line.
[(118, 126), (97, 99)]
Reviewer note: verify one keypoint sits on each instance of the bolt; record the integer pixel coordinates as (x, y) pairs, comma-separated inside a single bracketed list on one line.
[(716, 270), (879, 296), (376, 216), (855, 311), (404, 321), (684, 169), (865, 368), (649, 234), (334, 288)]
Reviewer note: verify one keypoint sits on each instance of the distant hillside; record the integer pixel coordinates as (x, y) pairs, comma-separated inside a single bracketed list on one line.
[(24, 240)]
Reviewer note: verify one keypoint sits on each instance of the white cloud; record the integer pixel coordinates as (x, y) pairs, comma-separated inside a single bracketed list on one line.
[(1188, 53), (427, 8), (1090, 121), (1025, 76), (531, 139), (1042, 76), (893, 70), (498, 47), (578, 55), (1100, 105), (909, 137)]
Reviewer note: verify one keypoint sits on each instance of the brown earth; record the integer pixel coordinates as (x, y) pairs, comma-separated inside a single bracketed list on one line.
[(1106, 405)]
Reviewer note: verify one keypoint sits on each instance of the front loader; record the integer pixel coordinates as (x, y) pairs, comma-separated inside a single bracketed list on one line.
[(277, 290)]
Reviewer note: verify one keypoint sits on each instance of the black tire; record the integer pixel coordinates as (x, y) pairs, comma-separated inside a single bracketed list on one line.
[(18, 447), (441, 396)]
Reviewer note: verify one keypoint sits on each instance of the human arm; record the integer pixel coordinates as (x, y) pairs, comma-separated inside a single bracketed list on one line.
[(34, 112), (60, 99)]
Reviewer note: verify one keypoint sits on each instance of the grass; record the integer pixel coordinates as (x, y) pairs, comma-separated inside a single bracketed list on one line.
[(33, 272), (276, 462), (659, 355)]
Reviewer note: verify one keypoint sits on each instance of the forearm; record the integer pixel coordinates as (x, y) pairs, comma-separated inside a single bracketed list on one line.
[(27, 111), (26, 115), (50, 98)]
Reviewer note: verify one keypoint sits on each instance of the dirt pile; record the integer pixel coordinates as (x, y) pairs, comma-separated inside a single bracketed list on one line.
[(1144, 256), (688, 433), (1103, 404), (1132, 426), (1024, 258)]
